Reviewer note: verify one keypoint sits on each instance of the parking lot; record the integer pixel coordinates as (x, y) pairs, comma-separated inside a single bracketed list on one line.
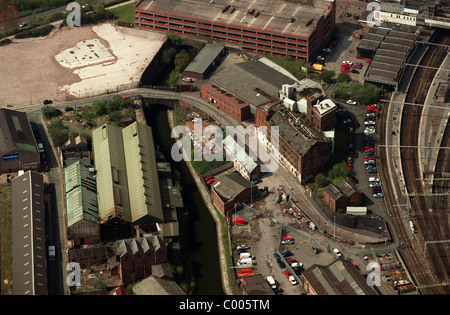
[(358, 114), (264, 236)]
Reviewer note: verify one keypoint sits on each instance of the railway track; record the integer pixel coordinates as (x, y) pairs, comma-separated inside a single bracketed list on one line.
[(427, 213)]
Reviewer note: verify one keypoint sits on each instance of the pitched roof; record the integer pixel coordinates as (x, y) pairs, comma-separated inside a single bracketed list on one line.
[(258, 83), (204, 58), (338, 278), (142, 244), (229, 186), (15, 132)]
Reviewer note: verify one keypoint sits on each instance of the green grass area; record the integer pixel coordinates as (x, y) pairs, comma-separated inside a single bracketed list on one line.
[(5, 240), (125, 13)]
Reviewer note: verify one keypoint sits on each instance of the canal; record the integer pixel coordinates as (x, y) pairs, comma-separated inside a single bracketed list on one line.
[(201, 228)]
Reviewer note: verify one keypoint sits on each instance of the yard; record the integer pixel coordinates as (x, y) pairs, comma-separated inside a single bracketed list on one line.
[(125, 13)]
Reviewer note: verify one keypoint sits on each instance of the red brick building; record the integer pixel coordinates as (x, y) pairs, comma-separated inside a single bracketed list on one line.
[(334, 198), (136, 256), (302, 150), (89, 256), (229, 189), (354, 198), (226, 102), (324, 115), (273, 27)]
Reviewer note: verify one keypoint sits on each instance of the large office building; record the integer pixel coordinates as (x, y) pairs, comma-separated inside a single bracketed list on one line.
[(273, 27)]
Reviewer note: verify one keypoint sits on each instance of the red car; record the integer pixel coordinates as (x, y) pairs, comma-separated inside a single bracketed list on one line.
[(343, 69), (372, 108), (356, 66), (46, 168), (350, 166), (368, 60)]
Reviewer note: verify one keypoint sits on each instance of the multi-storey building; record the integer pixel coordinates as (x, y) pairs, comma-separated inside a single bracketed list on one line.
[(274, 27)]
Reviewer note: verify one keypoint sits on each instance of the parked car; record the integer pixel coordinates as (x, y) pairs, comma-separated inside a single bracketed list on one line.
[(354, 180), (290, 277), (242, 246), (337, 252), (46, 102), (355, 71), (374, 179), (371, 185), (281, 264), (256, 181), (350, 102), (287, 253), (277, 257), (68, 109)]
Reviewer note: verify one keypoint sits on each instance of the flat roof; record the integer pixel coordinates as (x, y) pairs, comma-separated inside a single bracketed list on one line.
[(270, 15)]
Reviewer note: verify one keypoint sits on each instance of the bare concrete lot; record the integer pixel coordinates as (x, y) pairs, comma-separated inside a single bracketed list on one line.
[(74, 62)]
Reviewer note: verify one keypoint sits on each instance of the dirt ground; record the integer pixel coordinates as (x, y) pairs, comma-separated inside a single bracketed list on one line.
[(30, 72)]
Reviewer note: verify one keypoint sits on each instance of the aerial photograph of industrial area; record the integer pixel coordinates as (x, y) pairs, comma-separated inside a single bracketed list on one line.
[(224, 152)]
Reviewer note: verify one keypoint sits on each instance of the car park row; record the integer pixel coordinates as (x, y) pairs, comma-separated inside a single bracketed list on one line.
[(369, 149)]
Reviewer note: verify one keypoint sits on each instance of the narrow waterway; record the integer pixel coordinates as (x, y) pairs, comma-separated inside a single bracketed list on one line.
[(202, 239)]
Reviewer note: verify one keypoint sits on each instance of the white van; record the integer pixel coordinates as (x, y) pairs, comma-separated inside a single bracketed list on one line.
[(374, 179), (245, 255), (245, 261), (272, 282)]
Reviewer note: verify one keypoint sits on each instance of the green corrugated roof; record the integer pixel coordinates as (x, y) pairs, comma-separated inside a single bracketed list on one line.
[(110, 166), (204, 58), (142, 173), (81, 194)]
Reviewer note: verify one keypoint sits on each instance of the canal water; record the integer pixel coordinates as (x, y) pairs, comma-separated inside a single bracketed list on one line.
[(202, 236)]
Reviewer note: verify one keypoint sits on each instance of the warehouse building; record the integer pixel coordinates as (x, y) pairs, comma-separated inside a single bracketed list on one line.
[(278, 28), (127, 176), (18, 147), (205, 61), (81, 204), (29, 248), (338, 278), (230, 189), (258, 84)]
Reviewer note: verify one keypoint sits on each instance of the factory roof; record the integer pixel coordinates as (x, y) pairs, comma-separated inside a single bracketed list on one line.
[(258, 83), (294, 18)]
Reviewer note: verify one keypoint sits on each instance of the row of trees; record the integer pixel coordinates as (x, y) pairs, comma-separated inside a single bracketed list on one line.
[(110, 105)]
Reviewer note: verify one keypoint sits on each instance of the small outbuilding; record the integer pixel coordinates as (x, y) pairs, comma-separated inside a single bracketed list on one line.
[(205, 61)]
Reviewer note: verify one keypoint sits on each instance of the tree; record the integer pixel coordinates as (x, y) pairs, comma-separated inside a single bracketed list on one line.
[(50, 112), (327, 76), (321, 180), (99, 108), (182, 60), (343, 77)]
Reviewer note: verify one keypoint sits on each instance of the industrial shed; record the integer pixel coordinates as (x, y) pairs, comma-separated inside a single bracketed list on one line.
[(390, 55), (206, 60)]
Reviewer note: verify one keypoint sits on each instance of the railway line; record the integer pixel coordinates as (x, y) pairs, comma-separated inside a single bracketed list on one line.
[(428, 213)]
